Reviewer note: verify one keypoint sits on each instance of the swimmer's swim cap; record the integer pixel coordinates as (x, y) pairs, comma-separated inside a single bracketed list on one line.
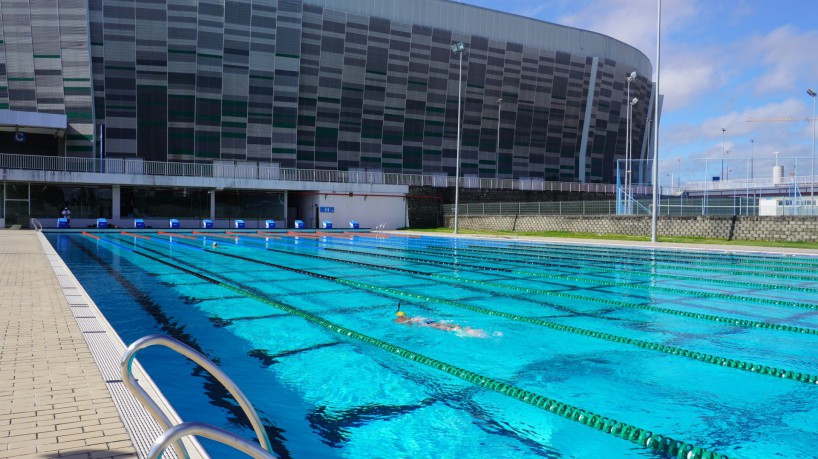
[(400, 314)]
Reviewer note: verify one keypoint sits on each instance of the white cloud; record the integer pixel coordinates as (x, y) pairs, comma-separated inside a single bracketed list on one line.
[(634, 21), (784, 54)]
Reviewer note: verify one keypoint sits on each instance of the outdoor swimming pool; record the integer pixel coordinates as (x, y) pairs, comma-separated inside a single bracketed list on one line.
[(584, 346)]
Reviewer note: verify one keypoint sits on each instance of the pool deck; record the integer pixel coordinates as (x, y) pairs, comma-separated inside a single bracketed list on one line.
[(53, 398)]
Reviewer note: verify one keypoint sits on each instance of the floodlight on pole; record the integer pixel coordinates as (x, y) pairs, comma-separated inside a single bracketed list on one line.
[(629, 77), (812, 179), (458, 48)]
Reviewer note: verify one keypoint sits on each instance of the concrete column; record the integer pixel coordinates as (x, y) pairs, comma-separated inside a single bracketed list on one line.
[(586, 125), (213, 204), (116, 202)]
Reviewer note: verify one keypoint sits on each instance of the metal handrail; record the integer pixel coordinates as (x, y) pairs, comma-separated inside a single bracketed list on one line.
[(272, 171), (182, 348), (175, 433), (36, 224)]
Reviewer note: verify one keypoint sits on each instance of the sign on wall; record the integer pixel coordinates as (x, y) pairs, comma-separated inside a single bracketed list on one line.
[(326, 210)]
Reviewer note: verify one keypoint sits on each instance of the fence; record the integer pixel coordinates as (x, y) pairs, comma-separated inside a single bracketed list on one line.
[(670, 206), (272, 171)]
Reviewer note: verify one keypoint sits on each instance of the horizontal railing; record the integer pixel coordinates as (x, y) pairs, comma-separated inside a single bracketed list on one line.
[(670, 206), (272, 171)]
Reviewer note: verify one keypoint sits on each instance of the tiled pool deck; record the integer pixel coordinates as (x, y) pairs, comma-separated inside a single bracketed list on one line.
[(60, 393), (53, 398)]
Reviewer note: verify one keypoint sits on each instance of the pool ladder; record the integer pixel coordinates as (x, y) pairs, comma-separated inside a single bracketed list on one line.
[(174, 433)]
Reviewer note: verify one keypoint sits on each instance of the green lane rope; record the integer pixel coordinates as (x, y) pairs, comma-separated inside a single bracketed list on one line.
[(726, 296), (665, 265), (658, 443), (692, 315), (731, 283), (695, 355), (641, 254)]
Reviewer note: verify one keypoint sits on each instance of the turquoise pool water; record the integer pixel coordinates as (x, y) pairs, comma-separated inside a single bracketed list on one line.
[(712, 350)]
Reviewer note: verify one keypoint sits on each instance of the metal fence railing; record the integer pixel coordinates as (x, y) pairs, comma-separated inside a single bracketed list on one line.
[(271, 171), (668, 206)]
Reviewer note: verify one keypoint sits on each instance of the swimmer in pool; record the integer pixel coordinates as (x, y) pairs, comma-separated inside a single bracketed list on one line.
[(215, 245), (402, 318)]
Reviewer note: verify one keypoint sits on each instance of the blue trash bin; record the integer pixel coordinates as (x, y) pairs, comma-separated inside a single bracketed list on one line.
[(62, 223), (239, 224), (270, 224), (173, 223), (207, 224), (326, 224), (299, 224), (139, 223), (102, 223), (353, 224)]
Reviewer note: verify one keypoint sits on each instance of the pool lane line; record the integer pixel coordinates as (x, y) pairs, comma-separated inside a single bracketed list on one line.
[(644, 274), (649, 345), (642, 252), (770, 301), (753, 261), (661, 265), (733, 321), (691, 315), (658, 443)]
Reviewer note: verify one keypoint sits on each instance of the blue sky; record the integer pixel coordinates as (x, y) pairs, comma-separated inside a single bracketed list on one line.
[(723, 62)]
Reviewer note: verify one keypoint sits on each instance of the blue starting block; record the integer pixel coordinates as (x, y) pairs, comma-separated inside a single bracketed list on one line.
[(299, 224), (239, 224), (207, 224), (102, 223), (326, 224), (139, 223), (270, 224), (62, 223), (174, 223), (353, 224)]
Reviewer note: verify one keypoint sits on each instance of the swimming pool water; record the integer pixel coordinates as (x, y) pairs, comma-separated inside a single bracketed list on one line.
[(672, 342)]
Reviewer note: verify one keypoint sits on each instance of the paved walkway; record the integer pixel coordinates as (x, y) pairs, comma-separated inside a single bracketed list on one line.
[(53, 399)]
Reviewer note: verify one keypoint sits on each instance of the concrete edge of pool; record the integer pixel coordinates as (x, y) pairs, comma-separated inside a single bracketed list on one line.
[(61, 392)]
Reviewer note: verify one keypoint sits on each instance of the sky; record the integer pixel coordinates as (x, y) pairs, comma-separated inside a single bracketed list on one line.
[(723, 62)]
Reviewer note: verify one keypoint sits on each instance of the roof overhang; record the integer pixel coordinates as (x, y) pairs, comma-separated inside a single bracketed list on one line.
[(33, 122)]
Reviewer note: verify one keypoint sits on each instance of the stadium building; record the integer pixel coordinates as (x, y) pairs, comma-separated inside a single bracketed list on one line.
[(286, 109)]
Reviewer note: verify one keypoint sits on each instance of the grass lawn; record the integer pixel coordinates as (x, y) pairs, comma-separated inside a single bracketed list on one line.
[(622, 237)]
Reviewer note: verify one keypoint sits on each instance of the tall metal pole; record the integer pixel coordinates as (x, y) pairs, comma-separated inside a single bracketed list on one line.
[(499, 112), (812, 179), (628, 150), (655, 212), (458, 48), (752, 157), (722, 153)]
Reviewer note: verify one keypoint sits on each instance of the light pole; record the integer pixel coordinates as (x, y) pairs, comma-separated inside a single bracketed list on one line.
[(631, 76), (655, 173), (499, 112), (752, 157), (458, 48), (722, 152), (812, 179)]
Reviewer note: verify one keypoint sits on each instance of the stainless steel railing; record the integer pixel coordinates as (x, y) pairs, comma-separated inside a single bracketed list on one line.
[(151, 405), (271, 171)]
